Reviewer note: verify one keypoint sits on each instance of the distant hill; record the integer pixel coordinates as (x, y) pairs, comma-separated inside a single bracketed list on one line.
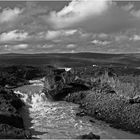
[(71, 59)]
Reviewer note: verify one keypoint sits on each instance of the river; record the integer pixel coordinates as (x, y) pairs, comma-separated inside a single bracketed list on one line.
[(50, 120)]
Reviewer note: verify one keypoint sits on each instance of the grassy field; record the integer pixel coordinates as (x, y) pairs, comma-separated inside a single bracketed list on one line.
[(71, 59)]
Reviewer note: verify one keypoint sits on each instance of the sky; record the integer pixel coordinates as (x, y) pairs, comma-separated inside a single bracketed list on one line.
[(104, 26)]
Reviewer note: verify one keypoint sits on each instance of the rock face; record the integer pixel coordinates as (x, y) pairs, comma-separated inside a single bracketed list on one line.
[(89, 136), (11, 123), (61, 83)]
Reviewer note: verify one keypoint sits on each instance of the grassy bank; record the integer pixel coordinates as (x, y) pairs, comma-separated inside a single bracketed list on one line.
[(110, 108), (109, 97)]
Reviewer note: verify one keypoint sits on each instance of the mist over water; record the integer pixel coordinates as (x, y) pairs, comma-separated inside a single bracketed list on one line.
[(58, 119)]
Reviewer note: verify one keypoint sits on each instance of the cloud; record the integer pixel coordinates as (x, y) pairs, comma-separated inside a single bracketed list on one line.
[(59, 33), (16, 47), (120, 37), (103, 36), (82, 25), (9, 14), (100, 43), (14, 35), (20, 46), (48, 46), (135, 38), (135, 13), (27, 18), (69, 46), (77, 11), (128, 7), (102, 16)]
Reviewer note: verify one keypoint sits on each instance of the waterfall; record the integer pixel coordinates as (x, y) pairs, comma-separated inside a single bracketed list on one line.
[(34, 100)]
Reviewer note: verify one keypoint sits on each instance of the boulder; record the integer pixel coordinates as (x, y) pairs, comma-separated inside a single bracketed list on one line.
[(134, 100), (92, 121), (89, 136), (81, 113)]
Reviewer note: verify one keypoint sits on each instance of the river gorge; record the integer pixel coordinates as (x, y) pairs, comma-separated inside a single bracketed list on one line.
[(49, 120)]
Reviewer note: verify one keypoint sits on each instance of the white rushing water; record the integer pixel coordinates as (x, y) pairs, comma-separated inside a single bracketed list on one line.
[(50, 120)]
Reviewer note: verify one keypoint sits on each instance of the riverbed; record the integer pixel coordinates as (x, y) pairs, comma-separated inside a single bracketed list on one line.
[(50, 120)]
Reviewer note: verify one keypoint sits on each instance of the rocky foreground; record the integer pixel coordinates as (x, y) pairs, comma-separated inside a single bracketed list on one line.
[(11, 122), (97, 98)]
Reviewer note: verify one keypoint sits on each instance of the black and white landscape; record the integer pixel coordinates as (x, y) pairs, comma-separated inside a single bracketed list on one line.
[(70, 69)]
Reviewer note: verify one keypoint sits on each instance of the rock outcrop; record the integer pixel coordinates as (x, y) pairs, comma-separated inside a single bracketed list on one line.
[(11, 122), (134, 100), (89, 136), (61, 83)]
